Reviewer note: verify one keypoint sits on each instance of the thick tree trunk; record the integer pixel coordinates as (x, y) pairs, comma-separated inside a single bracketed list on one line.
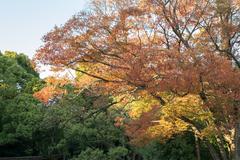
[(236, 135), (236, 152)]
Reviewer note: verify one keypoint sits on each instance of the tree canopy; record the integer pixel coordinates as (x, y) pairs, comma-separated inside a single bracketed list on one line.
[(153, 79), (184, 54), (18, 108)]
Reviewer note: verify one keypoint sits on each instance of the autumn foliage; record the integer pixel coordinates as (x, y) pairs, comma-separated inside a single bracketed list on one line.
[(168, 50), (53, 89)]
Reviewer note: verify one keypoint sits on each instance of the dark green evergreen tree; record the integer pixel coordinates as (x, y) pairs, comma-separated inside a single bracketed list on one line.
[(19, 113)]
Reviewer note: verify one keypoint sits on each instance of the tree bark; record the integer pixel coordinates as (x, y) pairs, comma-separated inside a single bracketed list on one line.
[(237, 141)]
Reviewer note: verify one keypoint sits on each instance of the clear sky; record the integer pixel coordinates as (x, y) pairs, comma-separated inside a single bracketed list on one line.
[(24, 22)]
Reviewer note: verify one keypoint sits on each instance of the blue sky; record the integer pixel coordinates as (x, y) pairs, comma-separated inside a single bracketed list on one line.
[(24, 22)]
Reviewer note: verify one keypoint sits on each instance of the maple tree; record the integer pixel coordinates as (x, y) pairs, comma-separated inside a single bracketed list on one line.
[(53, 88), (160, 48)]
